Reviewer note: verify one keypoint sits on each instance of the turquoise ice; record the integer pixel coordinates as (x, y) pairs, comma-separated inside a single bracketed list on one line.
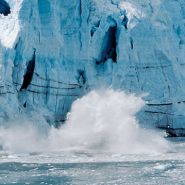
[(53, 52)]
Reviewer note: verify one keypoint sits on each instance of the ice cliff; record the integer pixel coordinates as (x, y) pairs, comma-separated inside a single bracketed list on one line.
[(54, 51)]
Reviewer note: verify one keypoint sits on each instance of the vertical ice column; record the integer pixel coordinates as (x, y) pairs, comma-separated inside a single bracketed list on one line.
[(84, 30)]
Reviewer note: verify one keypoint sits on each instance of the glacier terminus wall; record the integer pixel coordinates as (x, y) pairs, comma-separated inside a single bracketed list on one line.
[(54, 51)]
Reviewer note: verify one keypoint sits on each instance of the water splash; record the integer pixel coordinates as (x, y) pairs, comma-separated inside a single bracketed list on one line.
[(102, 121)]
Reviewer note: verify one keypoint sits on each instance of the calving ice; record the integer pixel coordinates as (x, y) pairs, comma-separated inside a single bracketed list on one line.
[(85, 86), (103, 121), (53, 52)]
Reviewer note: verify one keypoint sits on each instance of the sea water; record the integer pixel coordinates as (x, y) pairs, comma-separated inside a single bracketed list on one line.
[(101, 143)]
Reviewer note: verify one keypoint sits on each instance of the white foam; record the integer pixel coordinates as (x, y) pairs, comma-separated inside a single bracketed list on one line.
[(102, 121)]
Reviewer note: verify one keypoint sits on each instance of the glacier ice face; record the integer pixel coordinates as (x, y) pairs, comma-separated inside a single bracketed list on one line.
[(53, 52)]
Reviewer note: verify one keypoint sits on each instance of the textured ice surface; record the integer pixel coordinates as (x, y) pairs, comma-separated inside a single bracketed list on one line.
[(53, 52)]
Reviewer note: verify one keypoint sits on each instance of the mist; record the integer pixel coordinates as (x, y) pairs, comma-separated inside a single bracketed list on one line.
[(101, 121)]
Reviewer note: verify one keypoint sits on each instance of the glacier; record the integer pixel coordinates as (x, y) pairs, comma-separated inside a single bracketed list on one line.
[(53, 52)]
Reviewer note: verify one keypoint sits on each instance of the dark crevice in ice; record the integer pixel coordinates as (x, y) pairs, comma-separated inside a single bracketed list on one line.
[(109, 48), (4, 8), (159, 112), (82, 79), (131, 43), (177, 132), (125, 22), (95, 27), (159, 104), (29, 73), (24, 105)]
